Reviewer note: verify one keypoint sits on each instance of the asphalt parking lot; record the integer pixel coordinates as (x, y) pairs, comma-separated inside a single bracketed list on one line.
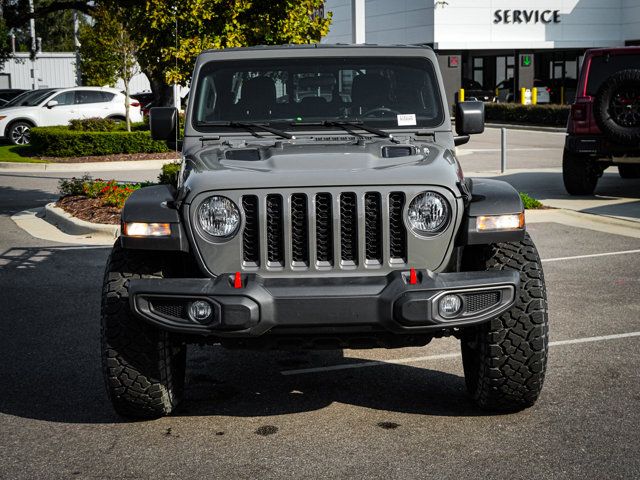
[(334, 414)]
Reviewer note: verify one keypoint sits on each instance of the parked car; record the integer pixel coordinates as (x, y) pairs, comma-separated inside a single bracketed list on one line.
[(604, 123), (8, 94), (505, 91), (57, 106), (316, 224), (473, 89)]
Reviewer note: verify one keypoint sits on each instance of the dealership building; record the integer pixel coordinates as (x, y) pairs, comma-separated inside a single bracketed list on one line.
[(505, 43)]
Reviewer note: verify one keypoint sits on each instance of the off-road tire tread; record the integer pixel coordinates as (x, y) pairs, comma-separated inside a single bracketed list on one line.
[(143, 366), (579, 174), (612, 130), (629, 170), (505, 359)]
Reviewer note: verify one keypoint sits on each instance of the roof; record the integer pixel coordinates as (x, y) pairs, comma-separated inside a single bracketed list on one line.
[(615, 50), (319, 46)]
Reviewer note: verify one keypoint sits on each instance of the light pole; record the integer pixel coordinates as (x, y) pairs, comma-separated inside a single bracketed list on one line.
[(34, 46)]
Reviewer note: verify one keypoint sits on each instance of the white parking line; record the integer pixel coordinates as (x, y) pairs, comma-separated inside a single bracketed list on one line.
[(346, 366), (592, 255)]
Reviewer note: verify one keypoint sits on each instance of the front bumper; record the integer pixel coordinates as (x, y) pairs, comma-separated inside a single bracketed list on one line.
[(267, 305)]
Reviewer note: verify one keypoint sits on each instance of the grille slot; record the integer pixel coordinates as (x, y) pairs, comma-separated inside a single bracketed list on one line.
[(397, 230), (251, 234), (324, 228), (476, 302), (373, 227), (170, 308), (275, 240), (299, 229), (349, 228)]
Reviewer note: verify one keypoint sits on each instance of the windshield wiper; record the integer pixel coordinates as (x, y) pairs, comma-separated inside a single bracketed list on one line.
[(249, 125), (345, 124)]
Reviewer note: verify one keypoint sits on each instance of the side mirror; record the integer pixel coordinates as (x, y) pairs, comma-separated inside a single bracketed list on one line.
[(163, 122), (469, 118), (51, 103)]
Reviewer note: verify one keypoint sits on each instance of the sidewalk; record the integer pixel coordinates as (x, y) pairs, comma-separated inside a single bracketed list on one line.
[(81, 167)]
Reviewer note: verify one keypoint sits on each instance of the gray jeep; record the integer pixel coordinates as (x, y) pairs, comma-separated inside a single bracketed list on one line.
[(320, 204)]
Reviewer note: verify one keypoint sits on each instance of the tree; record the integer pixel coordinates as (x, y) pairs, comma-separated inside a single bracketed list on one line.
[(107, 52), (5, 48), (167, 58), (55, 27)]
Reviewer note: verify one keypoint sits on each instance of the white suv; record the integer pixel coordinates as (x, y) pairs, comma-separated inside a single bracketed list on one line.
[(57, 106)]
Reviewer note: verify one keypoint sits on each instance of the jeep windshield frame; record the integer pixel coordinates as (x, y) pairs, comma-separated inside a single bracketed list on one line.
[(294, 94)]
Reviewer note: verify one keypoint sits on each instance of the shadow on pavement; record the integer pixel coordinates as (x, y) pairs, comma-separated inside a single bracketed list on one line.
[(50, 370)]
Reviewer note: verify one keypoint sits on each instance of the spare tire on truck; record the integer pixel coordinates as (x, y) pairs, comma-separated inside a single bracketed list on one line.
[(617, 107)]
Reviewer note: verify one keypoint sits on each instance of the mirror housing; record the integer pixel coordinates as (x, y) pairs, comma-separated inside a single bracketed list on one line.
[(469, 118), (51, 103), (163, 122)]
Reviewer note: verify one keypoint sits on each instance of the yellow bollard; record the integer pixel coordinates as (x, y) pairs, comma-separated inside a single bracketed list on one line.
[(561, 95), (461, 95), (534, 96), (522, 91)]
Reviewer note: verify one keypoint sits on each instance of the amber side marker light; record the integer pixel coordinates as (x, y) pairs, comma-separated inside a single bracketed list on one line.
[(500, 222), (138, 229)]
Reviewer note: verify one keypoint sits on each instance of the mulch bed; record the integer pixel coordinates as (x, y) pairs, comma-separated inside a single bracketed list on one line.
[(112, 158), (89, 209)]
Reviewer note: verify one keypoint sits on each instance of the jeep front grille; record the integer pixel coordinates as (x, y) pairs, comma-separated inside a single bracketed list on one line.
[(345, 230)]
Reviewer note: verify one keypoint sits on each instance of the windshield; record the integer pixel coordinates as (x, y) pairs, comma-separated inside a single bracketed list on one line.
[(30, 99), (287, 93)]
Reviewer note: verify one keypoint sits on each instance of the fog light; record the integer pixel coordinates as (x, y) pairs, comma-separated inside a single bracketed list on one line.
[(200, 311), (450, 305)]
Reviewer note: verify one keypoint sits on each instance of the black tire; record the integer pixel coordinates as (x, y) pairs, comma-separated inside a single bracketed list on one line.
[(629, 170), (617, 107), (505, 359), (579, 173), (19, 133), (144, 367)]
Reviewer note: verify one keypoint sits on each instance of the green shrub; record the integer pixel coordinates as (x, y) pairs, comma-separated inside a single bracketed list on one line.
[(169, 174), (63, 142), (529, 202), (73, 186), (547, 115), (104, 125)]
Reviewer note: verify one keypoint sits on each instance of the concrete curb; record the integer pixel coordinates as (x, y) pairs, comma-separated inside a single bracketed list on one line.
[(71, 225), (32, 221), (534, 128), (84, 167)]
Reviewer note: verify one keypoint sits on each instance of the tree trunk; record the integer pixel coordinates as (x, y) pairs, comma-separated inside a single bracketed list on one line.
[(127, 102)]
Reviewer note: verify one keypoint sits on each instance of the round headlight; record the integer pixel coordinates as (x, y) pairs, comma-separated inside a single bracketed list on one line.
[(218, 216), (428, 212)]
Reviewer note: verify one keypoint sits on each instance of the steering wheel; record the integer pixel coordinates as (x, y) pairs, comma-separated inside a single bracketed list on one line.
[(383, 110)]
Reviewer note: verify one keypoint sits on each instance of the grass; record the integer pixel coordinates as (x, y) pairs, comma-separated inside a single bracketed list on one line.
[(17, 153), (529, 202)]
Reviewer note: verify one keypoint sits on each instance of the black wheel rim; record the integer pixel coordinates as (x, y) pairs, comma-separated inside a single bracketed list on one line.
[(625, 107)]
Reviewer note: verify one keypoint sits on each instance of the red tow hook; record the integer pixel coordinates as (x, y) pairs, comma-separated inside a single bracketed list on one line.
[(237, 280), (413, 277)]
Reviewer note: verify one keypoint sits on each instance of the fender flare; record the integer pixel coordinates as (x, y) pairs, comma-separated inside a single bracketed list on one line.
[(490, 197), (155, 204)]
